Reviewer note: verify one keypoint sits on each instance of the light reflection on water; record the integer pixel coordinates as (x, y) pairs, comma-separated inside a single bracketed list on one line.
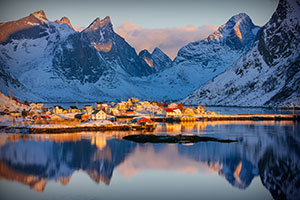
[(92, 165)]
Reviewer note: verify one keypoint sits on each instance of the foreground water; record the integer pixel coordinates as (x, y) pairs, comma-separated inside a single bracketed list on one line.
[(265, 164)]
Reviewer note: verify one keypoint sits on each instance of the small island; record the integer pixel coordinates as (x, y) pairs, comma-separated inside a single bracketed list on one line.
[(181, 139)]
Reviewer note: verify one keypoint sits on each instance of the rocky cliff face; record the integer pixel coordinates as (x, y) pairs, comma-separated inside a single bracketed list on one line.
[(114, 49), (157, 60), (268, 74)]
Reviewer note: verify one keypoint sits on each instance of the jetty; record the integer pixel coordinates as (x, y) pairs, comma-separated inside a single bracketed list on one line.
[(233, 117)]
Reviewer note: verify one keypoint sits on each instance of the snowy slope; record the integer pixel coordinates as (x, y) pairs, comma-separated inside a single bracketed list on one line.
[(199, 61), (268, 74), (9, 104)]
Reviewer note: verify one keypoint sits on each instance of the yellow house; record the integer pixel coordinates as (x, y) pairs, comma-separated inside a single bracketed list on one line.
[(188, 112), (73, 109)]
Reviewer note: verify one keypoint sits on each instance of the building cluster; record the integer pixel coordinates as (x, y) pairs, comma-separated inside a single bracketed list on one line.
[(109, 111)]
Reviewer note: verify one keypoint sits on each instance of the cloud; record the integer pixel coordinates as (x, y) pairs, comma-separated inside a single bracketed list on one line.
[(170, 40)]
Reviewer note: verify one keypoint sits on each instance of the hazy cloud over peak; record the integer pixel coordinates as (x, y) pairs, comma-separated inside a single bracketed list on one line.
[(170, 40)]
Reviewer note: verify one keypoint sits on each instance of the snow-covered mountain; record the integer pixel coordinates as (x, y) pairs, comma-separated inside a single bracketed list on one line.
[(200, 61), (49, 61), (158, 59), (268, 74)]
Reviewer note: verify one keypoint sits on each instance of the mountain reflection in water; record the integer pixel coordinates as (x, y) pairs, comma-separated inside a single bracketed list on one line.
[(269, 150)]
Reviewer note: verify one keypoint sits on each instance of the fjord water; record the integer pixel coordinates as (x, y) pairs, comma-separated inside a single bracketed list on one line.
[(264, 164)]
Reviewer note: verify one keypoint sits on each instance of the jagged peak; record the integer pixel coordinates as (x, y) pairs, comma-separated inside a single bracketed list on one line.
[(239, 17), (64, 20), (144, 52), (233, 25), (40, 15), (97, 23), (157, 51)]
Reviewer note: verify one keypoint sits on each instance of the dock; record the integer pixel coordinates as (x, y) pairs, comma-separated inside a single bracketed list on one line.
[(234, 117)]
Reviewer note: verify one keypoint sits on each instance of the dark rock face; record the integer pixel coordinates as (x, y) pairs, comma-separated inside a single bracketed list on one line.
[(157, 60), (78, 60), (279, 35), (114, 49)]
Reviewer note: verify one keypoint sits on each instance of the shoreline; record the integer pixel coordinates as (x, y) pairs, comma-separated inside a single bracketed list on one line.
[(149, 128)]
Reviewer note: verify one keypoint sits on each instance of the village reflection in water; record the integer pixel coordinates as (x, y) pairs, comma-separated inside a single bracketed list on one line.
[(268, 149)]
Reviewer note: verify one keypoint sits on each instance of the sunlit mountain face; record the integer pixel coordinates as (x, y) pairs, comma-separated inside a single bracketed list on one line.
[(268, 151)]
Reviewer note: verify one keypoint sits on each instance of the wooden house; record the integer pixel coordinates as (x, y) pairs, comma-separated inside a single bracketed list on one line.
[(82, 116), (58, 109), (73, 109), (188, 112), (87, 108), (98, 115), (57, 117), (171, 112), (37, 117)]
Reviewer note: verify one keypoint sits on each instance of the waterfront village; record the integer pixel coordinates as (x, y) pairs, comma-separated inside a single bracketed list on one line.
[(132, 112)]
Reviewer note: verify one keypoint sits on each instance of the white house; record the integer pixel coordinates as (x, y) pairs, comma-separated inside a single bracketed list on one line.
[(98, 115), (171, 112)]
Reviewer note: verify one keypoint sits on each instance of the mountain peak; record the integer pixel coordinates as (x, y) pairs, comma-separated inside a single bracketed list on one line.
[(64, 20), (157, 50), (97, 23), (239, 17), (238, 32), (40, 15)]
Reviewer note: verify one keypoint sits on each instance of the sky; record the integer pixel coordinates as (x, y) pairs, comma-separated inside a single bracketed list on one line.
[(160, 17)]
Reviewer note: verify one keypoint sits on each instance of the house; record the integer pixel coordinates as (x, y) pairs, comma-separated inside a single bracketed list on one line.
[(188, 112), (113, 111), (98, 115), (37, 117), (98, 105), (134, 100), (104, 107), (201, 109), (83, 116), (87, 108), (171, 112), (121, 106), (57, 117), (45, 116), (58, 109), (172, 105), (144, 120), (130, 113), (73, 109)]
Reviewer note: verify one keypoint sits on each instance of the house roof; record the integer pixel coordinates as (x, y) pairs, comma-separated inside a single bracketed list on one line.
[(170, 109), (95, 112), (73, 107), (59, 107)]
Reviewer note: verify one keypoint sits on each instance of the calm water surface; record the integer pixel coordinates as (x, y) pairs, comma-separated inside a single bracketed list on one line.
[(264, 165)]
